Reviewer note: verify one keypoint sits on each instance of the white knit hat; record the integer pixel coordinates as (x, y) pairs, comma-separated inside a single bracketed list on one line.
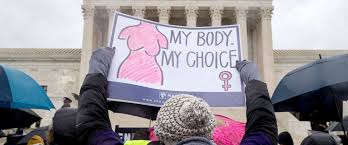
[(184, 116)]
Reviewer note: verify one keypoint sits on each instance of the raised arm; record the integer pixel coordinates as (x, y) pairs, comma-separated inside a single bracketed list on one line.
[(261, 128), (93, 123)]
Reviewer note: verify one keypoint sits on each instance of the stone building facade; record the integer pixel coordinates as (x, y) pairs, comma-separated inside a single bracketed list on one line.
[(55, 69), (253, 16), (61, 70)]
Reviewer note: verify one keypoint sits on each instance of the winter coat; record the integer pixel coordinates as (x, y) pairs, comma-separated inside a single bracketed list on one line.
[(319, 139), (261, 127), (93, 123)]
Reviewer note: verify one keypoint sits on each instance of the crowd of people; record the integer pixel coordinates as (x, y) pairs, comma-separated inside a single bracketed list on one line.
[(182, 120)]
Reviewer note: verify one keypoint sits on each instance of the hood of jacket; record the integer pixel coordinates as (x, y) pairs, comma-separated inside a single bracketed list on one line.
[(319, 139)]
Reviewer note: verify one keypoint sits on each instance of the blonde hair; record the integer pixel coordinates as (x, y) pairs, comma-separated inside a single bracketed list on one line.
[(36, 140)]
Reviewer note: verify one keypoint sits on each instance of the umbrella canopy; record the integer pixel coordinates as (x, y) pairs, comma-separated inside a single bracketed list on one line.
[(228, 131), (318, 86), (19, 90), (336, 126), (42, 132), (17, 118)]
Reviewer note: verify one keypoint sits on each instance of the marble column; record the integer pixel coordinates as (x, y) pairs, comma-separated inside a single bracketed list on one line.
[(191, 16), (87, 44), (241, 17), (216, 15), (163, 14), (139, 11), (267, 61), (254, 44), (258, 45), (111, 13)]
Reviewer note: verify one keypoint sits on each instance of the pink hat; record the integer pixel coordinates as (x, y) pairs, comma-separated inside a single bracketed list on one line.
[(153, 136), (228, 131)]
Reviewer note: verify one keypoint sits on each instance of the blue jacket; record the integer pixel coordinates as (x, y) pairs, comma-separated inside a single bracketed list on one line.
[(94, 128)]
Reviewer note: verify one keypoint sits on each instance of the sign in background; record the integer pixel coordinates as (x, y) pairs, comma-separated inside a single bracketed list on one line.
[(127, 133), (154, 61)]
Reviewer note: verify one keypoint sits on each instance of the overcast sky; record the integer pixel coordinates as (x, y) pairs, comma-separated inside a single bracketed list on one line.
[(297, 24)]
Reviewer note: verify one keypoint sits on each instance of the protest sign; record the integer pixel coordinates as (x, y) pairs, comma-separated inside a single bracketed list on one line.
[(155, 61), (127, 133)]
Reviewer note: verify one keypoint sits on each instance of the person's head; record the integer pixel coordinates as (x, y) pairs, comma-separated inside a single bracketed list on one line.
[(285, 138), (36, 140), (319, 125), (228, 131), (319, 139), (62, 130), (184, 116), (67, 101)]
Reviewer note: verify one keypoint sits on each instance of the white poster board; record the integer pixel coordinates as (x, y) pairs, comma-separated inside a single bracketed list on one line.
[(155, 61)]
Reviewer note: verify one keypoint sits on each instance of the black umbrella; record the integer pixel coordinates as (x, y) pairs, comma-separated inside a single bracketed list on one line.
[(337, 126), (42, 132), (17, 118), (314, 91)]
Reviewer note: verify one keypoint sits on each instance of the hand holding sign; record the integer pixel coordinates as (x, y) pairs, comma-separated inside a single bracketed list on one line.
[(248, 71), (101, 60)]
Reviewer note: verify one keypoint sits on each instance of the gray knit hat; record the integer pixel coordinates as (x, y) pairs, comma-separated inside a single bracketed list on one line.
[(184, 116)]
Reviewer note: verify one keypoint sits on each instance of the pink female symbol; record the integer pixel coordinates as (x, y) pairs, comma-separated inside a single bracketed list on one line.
[(225, 76)]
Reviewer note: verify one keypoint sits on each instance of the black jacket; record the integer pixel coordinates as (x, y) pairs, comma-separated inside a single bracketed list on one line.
[(260, 112), (92, 108)]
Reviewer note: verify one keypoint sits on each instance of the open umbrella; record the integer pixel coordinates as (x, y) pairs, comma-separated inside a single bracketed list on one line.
[(42, 132), (19, 90), (314, 91), (17, 118)]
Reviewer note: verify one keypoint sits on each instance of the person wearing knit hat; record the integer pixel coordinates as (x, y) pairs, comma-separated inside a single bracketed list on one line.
[(182, 117), (36, 140)]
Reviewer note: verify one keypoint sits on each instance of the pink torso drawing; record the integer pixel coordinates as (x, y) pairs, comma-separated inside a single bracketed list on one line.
[(144, 42)]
